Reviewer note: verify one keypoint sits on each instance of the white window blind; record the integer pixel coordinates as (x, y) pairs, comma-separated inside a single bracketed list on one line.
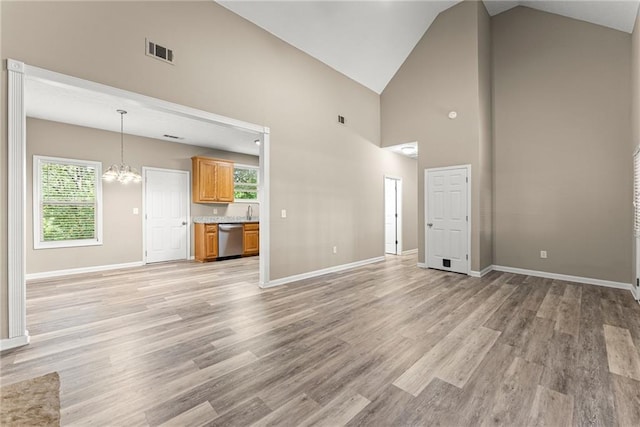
[(636, 194), (245, 183), (66, 202)]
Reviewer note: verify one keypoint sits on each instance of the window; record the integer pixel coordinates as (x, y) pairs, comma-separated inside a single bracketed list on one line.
[(66, 202), (245, 183)]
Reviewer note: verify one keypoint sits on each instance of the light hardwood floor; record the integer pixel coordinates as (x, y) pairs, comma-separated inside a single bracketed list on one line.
[(385, 344)]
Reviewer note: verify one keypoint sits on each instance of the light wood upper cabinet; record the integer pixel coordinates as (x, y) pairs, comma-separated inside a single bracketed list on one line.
[(224, 181), (212, 180)]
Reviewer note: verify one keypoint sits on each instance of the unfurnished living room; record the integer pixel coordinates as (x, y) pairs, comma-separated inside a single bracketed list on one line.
[(375, 213)]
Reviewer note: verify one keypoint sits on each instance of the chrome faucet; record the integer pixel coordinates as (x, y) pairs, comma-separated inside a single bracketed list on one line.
[(249, 212)]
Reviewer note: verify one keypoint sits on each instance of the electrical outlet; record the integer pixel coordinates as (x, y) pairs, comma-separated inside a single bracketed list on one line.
[(543, 254), (335, 249), (283, 213), (136, 211), (215, 211)]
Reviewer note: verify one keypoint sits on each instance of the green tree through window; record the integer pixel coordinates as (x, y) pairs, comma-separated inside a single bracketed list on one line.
[(245, 183), (67, 200)]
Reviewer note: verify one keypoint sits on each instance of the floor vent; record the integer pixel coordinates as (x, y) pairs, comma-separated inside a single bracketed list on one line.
[(159, 52)]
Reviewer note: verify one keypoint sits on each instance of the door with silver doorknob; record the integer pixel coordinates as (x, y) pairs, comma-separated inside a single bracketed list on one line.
[(166, 195), (447, 216)]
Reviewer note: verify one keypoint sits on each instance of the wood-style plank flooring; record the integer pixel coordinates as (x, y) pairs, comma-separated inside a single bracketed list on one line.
[(385, 344)]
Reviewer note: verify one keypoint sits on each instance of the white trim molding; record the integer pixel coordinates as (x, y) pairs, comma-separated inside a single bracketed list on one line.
[(566, 277), (410, 252), (81, 270), (422, 265), (16, 203), (322, 272), (9, 343), (482, 272)]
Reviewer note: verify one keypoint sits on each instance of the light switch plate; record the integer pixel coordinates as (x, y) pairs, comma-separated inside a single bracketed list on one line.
[(283, 213), (136, 211)]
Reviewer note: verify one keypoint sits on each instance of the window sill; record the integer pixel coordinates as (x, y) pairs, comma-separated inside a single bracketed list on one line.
[(66, 244)]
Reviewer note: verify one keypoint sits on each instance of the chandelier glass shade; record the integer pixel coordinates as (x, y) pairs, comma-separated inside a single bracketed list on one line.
[(121, 172)]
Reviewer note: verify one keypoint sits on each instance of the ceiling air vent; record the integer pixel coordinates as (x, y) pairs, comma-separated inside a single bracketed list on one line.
[(172, 136), (159, 52)]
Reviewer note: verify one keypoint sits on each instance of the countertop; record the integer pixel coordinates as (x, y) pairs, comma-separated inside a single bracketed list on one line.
[(223, 219)]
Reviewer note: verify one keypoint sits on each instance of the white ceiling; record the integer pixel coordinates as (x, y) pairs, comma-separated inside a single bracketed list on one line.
[(48, 101), (369, 40)]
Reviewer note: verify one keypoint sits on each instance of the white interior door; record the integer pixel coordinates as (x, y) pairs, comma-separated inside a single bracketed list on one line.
[(166, 215), (447, 219), (392, 220)]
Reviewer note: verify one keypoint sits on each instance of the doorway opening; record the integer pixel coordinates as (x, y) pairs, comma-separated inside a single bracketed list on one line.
[(447, 218), (20, 77), (392, 215)]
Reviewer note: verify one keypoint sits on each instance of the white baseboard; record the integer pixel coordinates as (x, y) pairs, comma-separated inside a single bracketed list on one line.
[(636, 292), (422, 265), (316, 273), (7, 343), (410, 252), (578, 279), (58, 273), (482, 272)]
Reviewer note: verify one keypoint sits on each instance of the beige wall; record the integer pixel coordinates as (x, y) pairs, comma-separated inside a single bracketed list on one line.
[(561, 140), (327, 176), (441, 74), (47, 138)]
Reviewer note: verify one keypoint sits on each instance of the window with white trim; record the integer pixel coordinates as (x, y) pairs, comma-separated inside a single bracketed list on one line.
[(245, 183), (67, 202)]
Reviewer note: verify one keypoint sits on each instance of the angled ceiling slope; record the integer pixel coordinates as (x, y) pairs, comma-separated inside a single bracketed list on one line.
[(368, 41)]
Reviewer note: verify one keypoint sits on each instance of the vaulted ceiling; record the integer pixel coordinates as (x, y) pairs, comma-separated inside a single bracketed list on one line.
[(369, 40)]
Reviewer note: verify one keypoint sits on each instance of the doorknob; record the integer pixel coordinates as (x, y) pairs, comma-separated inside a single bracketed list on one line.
[(184, 222), (430, 225)]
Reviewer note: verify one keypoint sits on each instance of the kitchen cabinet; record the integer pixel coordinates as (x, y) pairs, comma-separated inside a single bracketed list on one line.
[(212, 180), (206, 237), (251, 239)]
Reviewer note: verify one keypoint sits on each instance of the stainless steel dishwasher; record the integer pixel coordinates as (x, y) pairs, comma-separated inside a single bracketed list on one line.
[(229, 240)]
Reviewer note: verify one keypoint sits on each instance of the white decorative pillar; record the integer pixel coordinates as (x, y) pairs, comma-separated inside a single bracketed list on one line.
[(16, 174)]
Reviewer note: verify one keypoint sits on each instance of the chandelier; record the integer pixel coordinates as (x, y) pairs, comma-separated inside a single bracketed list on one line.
[(121, 172)]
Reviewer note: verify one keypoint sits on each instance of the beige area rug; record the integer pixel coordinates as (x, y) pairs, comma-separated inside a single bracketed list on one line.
[(34, 402)]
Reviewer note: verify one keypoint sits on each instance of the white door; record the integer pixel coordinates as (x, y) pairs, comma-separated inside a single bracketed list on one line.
[(166, 215), (391, 217), (447, 219)]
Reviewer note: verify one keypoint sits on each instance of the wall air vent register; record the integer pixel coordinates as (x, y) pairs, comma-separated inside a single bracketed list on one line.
[(159, 52)]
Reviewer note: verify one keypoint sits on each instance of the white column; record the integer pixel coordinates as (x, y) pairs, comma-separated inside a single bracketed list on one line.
[(263, 198), (16, 173)]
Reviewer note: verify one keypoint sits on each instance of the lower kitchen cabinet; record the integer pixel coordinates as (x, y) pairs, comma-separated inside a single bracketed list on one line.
[(206, 237), (251, 239)]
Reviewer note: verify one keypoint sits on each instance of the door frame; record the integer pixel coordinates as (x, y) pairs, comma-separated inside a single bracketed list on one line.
[(398, 212), (17, 74), (426, 210), (145, 170)]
